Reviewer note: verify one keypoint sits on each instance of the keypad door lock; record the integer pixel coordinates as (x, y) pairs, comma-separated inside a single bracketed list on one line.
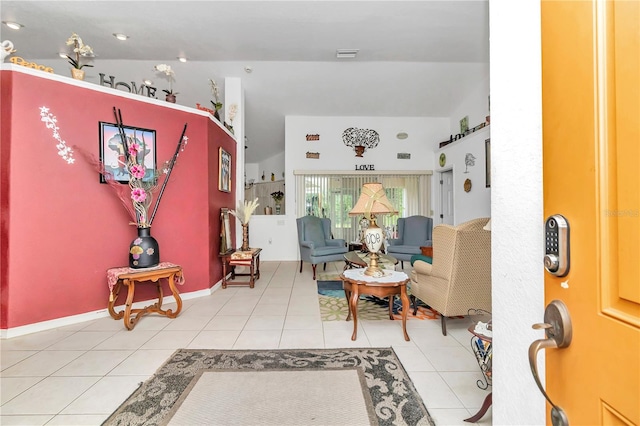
[(556, 244)]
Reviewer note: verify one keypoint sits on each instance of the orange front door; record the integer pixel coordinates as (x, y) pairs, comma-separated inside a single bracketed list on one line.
[(591, 171)]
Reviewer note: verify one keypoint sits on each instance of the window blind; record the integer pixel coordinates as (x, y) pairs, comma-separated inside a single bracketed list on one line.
[(333, 194)]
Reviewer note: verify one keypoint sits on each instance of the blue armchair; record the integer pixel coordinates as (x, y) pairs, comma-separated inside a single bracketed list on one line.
[(413, 233), (316, 244)]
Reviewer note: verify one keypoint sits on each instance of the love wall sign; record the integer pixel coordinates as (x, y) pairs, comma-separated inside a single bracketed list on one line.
[(365, 167)]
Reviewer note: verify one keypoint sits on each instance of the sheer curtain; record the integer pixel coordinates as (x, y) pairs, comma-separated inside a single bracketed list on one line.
[(333, 194)]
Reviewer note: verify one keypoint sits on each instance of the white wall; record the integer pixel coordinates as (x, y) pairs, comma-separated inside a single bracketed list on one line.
[(274, 164), (251, 172), (234, 94), (516, 203), (334, 155), (475, 105), (277, 235), (472, 204)]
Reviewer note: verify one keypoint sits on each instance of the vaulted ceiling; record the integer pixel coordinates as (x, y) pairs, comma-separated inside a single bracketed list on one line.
[(415, 58)]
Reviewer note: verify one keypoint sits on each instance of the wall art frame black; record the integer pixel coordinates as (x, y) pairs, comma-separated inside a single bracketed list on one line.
[(112, 155)]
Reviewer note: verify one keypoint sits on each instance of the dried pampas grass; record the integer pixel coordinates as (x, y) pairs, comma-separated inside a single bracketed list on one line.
[(244, 211)]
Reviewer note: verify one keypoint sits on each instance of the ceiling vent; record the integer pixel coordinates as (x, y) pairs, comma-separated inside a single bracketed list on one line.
[(346, 53)]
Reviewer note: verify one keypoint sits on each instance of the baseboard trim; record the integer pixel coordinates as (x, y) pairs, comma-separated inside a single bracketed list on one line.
[(90, 316)]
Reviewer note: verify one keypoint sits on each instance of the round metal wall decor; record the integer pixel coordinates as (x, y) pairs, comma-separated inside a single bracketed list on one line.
[(467, 185)]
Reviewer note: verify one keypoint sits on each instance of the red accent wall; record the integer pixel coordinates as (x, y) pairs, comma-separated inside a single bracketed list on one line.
[(61, 229)]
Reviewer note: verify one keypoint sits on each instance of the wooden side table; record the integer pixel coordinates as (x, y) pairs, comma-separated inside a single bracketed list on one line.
[(355, 283), (233, 258), (128, 276)]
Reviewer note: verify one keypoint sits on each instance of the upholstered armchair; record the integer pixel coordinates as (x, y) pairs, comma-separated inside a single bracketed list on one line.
[(413, 233), (459, 278), (316, 244)]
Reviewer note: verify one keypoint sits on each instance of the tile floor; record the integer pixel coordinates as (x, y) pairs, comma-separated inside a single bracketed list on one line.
[(78, 375)]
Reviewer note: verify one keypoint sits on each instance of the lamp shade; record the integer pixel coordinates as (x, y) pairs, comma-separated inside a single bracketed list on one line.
[(372, 201)]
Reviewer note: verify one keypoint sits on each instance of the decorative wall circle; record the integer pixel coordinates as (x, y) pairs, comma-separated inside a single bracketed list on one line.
[(443, 159), (467, 185)]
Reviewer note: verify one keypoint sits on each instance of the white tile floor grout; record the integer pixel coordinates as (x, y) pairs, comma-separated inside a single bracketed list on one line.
[(78, 375)]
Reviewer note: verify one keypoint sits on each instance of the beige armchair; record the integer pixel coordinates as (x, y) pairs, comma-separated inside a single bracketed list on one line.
[(459, 278)]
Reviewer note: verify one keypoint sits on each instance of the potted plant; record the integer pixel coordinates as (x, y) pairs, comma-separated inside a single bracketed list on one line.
[(170, 74), (243, 213), (81, 50), (277, 197), (216, 96)]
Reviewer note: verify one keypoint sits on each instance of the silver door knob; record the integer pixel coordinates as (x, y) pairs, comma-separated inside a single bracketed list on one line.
[(558, 331), (551, 262)]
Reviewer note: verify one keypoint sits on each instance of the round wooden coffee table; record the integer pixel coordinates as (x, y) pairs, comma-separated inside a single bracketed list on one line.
[(356, 283), (356, 259)]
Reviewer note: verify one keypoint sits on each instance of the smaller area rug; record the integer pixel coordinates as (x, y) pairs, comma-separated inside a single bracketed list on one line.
[(276, 387), (334, 306), (328, 276)]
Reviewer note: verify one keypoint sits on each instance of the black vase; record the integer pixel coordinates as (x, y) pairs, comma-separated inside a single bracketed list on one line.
[(144, 251)]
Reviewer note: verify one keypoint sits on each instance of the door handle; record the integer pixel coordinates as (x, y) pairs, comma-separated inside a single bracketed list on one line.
[(558, 331)]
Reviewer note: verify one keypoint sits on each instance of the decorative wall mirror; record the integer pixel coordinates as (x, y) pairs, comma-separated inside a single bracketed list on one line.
[(225, 231)]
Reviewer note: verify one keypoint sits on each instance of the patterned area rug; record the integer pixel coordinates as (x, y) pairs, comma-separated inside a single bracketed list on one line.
[(328, 276), (334, 307), (388, 393)]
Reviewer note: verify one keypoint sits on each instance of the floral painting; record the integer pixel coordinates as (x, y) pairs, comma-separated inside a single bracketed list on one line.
[(114, 158)]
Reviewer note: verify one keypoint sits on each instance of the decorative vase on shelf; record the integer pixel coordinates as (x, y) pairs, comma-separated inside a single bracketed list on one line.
[(278, 208), (171, 98), (216, 115), (77, 74), (245, 237), (144, 251)]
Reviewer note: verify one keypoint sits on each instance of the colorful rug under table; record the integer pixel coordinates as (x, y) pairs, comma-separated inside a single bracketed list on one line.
[(334, 307)]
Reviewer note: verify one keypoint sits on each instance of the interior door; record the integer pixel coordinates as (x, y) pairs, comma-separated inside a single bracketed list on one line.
[(446, 197), (591, 163)]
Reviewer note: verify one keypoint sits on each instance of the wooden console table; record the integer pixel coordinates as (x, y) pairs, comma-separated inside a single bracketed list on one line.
[(355, 283), (233, 258), (128, 276)]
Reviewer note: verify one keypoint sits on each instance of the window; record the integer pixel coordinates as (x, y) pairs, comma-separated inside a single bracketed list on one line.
[(333, 195)]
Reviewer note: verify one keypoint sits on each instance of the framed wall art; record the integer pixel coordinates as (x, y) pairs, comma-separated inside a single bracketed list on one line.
[(112, 155), (225, 231), (224, 176), (464, 124)]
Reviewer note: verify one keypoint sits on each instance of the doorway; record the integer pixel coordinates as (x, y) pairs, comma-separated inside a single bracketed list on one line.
[(446, 197)]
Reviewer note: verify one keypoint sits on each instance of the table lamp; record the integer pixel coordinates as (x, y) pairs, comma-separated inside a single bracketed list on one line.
[(373, 201)]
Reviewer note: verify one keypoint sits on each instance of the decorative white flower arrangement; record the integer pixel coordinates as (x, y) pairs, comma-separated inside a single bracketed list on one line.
[(233, 110), (216, 94), (244, 211), (167, 71), (80, 49)]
